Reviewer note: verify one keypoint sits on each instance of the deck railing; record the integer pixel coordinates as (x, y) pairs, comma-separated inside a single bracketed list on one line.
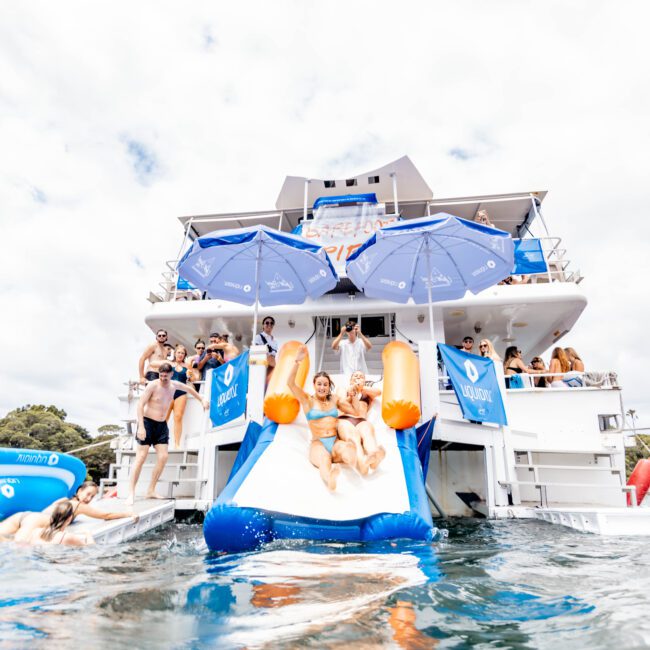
[(570, 380)]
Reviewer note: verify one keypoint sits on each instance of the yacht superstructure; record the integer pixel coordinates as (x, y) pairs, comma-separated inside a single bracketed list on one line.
[(562, 455)]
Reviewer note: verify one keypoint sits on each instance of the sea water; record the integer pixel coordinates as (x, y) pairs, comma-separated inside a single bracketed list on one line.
[(487, 584)]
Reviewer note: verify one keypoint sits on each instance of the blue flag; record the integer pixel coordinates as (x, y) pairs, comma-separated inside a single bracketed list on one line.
[(475, 384), (229, 388)]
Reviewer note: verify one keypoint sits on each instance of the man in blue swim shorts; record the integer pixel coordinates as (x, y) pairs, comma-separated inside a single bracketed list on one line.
[(152, 427)]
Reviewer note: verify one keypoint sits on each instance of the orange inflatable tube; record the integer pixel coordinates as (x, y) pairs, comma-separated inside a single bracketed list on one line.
[(640, 478), (279, 404), (401, 395)]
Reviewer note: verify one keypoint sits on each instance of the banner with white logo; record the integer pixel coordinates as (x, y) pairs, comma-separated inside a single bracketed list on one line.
[(475, 383), (229, 387)]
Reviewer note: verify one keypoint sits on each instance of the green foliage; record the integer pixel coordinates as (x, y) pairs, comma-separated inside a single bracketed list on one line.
[(44, 427), (636, 453)]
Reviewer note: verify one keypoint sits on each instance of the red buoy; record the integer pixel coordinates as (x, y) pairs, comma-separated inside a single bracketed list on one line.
[(640, 478)]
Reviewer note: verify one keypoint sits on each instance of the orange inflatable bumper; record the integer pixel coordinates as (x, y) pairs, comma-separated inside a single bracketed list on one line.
[(401, 396), (279, 404), (640, 478)]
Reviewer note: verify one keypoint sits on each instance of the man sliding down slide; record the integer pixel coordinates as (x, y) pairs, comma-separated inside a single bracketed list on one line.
[(327, 452)]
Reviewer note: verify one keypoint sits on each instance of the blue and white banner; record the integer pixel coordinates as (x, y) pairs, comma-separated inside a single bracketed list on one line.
[(475, 383), (229, 388), (529, 257)]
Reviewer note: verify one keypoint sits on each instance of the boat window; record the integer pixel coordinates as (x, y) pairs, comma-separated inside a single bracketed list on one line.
[(373, 325), (329, 184), (373, 180), (607, 422), (350, 182)]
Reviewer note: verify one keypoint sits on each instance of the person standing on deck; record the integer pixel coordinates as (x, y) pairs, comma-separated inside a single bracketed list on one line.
[(155, 355), (265, 337), (152, 427), (352, 349)]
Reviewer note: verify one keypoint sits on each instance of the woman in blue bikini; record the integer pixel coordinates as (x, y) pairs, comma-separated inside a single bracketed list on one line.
[(327, 452)]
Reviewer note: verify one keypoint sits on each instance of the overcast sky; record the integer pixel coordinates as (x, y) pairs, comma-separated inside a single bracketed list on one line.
[(116, 118)]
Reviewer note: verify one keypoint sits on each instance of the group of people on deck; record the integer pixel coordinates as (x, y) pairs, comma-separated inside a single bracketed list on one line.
[(564, 370)]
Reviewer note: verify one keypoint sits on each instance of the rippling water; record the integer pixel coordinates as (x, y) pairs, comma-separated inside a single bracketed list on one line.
[(497, 584)]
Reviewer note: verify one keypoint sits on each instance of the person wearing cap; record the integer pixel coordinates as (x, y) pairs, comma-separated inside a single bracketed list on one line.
[(468, 345)]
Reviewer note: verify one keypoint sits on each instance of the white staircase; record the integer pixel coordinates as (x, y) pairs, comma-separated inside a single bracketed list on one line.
[(180, 478), (547, 477)]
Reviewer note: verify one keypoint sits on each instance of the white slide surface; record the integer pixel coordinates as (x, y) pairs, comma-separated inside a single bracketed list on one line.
[(283, 479)]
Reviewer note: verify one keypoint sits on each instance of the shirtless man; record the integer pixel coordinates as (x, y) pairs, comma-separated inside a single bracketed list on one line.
[(156, 355), (152, 426)]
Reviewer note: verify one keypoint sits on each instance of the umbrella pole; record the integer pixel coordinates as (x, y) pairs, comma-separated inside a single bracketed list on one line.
[(429, 280), (257, 288), (431, 330)]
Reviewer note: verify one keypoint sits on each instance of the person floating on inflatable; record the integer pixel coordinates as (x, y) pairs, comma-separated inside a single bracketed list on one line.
[(327, 452), (356, 428)]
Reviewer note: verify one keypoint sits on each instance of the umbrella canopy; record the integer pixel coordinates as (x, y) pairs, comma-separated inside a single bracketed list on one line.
[(258, 265), (432, 258)]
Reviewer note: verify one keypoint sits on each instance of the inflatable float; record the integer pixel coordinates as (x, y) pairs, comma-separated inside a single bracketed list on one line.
[(31, 479), (275, 493)]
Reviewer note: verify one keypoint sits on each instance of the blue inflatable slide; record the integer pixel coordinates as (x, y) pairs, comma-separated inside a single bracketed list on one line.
[(275, 493)]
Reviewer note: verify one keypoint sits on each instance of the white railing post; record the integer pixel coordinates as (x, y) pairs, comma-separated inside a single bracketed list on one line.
[(305, 200), (393, 175), (204, 467), (506, 459), (257, 369), (178, 257)]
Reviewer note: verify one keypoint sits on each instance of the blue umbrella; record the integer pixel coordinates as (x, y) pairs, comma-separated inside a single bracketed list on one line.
[(432, 258), (258, 265)]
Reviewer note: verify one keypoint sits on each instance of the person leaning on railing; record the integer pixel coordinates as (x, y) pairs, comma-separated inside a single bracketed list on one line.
[(539, 367), (513, 365), (559, 364)]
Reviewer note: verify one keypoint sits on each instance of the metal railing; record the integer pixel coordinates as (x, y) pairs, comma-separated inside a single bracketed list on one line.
[(579, 380), (557, 266)]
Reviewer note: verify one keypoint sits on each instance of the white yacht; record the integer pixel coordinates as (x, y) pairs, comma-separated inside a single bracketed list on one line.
[(561, 457)]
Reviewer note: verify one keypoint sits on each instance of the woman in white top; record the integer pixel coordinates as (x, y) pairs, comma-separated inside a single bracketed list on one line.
[(265, 337)]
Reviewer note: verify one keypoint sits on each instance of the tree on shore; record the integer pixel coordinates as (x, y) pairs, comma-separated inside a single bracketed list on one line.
[(36, 426)]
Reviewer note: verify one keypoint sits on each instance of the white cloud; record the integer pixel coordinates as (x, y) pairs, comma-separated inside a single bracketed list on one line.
[(117, 119)]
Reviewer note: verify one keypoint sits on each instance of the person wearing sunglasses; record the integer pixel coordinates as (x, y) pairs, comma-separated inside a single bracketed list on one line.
[(193, 372), (265, 337), (486, 349), (513, 364), (468, 345), (539, 367), (154, 356)]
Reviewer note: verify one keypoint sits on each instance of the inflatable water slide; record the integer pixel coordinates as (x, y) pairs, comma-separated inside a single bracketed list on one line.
[(274, 492)]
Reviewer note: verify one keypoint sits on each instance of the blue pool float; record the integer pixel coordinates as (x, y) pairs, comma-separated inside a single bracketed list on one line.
[(32, 479)]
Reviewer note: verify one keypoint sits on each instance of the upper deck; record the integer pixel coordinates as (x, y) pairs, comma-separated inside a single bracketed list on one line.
[(532, 315)]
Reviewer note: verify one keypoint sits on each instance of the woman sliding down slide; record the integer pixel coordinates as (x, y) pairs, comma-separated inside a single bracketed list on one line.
[(356, 429), (327, 452)]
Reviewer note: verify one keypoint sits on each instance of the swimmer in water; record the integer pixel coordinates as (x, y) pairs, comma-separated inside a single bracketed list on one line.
[(21, 524), (55, 531)]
